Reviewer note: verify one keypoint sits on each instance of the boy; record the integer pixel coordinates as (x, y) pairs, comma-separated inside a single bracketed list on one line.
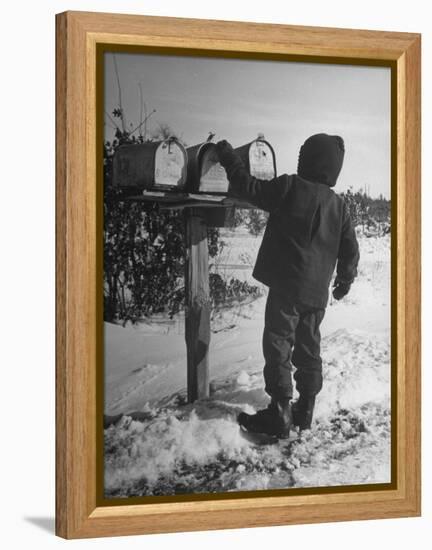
[(308, 232)]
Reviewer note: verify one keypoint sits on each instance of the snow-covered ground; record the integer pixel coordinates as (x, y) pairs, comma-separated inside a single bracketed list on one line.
[(183, 448)]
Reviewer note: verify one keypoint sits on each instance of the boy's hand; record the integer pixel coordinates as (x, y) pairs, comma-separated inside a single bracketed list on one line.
[(225, 152), (340, 288)]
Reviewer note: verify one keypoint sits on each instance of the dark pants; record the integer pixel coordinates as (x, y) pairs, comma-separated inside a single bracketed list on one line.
[(291, 336)]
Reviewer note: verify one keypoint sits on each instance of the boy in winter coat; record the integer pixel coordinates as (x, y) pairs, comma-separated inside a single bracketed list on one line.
[(309, 232)]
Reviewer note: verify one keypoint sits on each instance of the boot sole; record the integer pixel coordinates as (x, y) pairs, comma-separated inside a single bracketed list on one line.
[(243, 421), (257, 438)]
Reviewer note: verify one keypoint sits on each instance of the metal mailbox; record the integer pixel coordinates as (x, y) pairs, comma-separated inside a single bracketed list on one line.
[(157, 165), (259, 158), (206, 174)]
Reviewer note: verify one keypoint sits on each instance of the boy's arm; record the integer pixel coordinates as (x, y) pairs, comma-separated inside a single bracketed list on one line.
[(264, 194), (348, 257)]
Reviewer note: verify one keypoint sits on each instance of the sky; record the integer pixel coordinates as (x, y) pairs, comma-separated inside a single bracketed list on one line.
[(286, 101)]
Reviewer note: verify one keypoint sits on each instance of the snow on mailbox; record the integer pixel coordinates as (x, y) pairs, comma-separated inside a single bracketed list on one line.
[(154, 165), (206, 175)]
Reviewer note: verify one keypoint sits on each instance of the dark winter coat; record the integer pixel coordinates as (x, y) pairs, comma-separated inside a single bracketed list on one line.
[(308, 232)]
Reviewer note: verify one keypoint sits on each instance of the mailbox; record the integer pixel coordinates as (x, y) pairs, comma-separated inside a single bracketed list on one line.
[(157, 165), (259, 158), (206, 175)]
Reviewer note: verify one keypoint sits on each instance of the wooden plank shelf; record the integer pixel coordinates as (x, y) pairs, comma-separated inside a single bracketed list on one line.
[(177, 200)]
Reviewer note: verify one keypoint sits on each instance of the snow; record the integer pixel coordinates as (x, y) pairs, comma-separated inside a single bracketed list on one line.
[(197, 448)]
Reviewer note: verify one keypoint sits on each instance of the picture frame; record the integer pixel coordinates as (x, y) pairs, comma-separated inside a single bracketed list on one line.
[(80, 39)]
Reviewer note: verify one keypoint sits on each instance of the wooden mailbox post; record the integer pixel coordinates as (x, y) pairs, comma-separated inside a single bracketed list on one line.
[(198, 306), (204, 174)]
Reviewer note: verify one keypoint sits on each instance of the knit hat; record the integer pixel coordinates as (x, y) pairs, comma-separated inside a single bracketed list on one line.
[(321, 158)]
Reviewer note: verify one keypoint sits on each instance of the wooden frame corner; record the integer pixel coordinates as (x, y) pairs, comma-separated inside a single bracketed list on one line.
[(78, 259)]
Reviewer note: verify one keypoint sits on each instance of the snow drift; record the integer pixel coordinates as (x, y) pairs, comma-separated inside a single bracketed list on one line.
[(184, 448)]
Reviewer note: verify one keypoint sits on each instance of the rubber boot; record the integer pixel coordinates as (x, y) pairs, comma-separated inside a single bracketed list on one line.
[(275, 420), (302, 411), (284, 409)]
